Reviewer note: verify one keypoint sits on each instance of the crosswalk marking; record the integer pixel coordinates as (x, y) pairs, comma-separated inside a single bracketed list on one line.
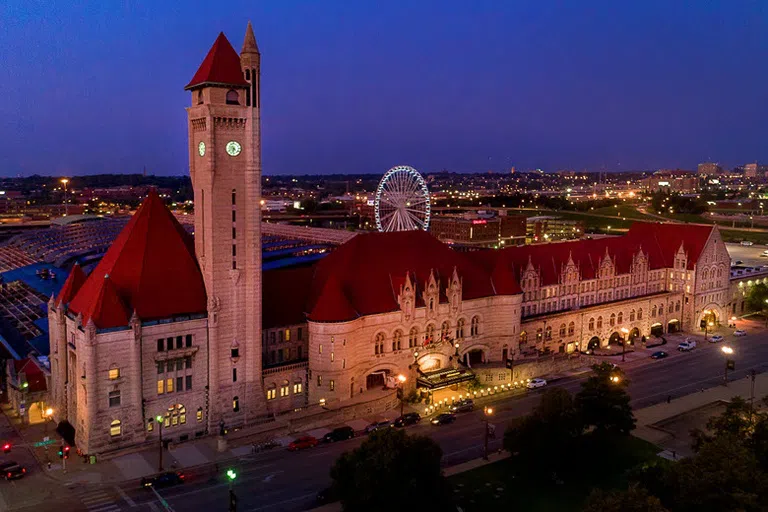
[(98, 500)]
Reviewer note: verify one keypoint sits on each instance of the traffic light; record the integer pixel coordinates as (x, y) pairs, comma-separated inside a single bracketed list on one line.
[(231, 474), (6, 447), (66, 452), (61, 452)]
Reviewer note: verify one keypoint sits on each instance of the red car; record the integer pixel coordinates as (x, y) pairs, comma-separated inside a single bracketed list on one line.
[(302, 443)]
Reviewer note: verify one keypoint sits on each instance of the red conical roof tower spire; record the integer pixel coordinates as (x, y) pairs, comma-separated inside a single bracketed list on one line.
[(220, 67)]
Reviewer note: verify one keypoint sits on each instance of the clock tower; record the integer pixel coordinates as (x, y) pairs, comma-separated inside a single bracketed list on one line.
[(225, 167)]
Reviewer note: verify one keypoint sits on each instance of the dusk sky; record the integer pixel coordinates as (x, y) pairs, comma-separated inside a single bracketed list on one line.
[(360, 86)]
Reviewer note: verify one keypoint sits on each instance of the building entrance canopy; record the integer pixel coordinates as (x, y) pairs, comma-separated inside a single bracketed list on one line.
[(444, 378)]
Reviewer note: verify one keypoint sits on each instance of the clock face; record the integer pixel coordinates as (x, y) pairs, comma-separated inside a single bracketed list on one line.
[(201, 148), (233, 148)]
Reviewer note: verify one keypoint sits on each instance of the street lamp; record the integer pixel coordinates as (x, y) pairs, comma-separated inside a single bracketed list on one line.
[(615, 379), (488, 411), (47, 413), (625, 332), (231, 475), (727, 351), (64, 182), (401, 380), (159, 420)]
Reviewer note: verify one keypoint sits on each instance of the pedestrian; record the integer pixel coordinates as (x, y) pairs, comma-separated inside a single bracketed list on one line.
[(669, 398)]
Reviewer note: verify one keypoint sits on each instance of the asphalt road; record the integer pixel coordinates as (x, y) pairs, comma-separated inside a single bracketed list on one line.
[(749, 255), (282, 481)]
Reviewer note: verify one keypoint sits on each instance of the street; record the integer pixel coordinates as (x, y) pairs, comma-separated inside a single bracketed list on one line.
[(279, 480)]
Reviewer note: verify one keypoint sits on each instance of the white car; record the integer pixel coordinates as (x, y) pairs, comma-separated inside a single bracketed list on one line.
[(686, 346), (536, 383), (746, 243), (739, 332), (715, 338)]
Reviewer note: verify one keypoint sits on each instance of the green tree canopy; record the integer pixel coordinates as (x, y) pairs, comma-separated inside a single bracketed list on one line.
[(603, 402), (634, 499), (757, 296), (392, 471)]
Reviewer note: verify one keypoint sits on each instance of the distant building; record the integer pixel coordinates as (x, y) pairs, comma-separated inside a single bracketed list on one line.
[(710, 169), (754, 170), (684, 182), (547, 228), (481, 229)]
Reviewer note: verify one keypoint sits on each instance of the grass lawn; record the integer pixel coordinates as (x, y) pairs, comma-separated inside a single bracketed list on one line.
[(504, 486), (626, 211)]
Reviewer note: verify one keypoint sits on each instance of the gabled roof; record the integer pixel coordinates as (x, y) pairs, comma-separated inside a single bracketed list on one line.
[(332, 304), (33, 375), (107, 309), (664, 240), (71, 286), (220, 67), (153, 269)]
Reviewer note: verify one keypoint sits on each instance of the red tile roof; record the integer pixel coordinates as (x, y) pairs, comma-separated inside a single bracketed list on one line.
[(151, 267), (285, 293), (71, 286), (220, 67), (33, 375)]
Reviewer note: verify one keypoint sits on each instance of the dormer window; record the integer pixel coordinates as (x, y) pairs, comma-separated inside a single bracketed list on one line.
[(232, 97)]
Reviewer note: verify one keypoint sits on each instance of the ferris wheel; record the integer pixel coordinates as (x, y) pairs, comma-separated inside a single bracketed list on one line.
[(402, 200)]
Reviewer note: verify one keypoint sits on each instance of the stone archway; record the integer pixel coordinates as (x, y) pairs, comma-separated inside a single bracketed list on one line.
[(657, 329), (377, 379), (710, 318), (615, 339), (673, 325), (634, 333), (594, 343)]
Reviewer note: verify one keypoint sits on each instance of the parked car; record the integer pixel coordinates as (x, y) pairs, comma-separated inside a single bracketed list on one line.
[(536, 383), (167, 479), (465, 405), (444, 419), (339, 434), (14, 472), (747, 243), (739, 332), (410, 418), (716, 338), (738, 262), (659, 355), (301, 443), (373, 427), (686, 346)]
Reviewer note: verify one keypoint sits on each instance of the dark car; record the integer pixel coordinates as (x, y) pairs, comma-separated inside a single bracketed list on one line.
[(14, 472), (465, 405), (167, 479), (410, 418), (339, 434), (373, 427), (659, 355), (444, 419)]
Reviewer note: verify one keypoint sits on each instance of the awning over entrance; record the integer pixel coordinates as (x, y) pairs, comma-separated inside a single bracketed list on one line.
[(443, 378)]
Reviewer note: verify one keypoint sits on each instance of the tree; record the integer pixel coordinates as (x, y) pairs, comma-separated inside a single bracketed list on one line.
[(603, 402), (634, 499), (544, 440), (391, 467), (757, 296)]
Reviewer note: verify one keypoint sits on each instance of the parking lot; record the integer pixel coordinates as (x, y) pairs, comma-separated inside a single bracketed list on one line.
[(749, 255)]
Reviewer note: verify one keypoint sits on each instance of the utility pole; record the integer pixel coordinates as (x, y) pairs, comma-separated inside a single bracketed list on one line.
[(231, 475), (159, 420), (488, 411)]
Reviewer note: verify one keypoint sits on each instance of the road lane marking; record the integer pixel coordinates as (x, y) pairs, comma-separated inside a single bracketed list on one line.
[(127, 499)]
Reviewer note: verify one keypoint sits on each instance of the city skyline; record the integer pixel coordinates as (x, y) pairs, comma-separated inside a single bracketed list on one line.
[(358, 89)]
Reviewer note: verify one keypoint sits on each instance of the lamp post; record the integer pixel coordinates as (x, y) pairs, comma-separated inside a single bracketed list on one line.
[(64, 182), (488, 412), (159, 420), (727, 351), (47, 413), (625, 332), (401, 380)]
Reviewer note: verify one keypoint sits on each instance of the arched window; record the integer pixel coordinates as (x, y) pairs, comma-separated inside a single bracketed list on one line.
[(272, 391), (549, 332), (445, 331), (175, 415), (600, 322), (115, 428), (378, 344), (429, 334), (562, 330), (199, 415), (653, 311), (632, 316), (233, 98), (397, 340), (523, 338), (612, 320), (640, 314), (460, 329), (236, 404), (539, 335), (199, 97), (591, 324), (475, 326), (285, 389), (661, 309), (620, 317), (571, 328), (677, 306), (413, 337)]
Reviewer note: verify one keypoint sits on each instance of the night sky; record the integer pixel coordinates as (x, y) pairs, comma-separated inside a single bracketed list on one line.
[(359, 86)]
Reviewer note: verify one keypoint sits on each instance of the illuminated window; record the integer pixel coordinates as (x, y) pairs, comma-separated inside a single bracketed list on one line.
[(160, 387), (332, 384), (285, 389), (169, 385), (236, 404), (114, 373), (271, 392), (297, 387), (150, 425), (199, 415), (115, 428), (287, 335)]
